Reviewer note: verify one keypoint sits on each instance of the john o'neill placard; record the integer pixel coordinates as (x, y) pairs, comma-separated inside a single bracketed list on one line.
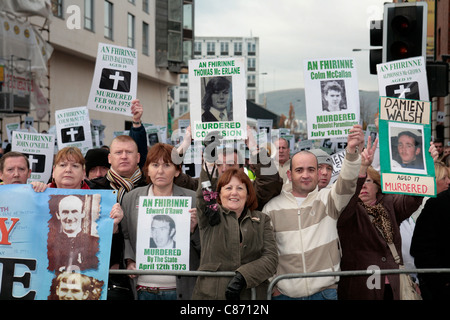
[(39, 148), (217, 92), (163, 233), (405, 133), (332, 97)]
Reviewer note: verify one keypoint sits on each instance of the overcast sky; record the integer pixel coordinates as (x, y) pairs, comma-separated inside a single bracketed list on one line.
[(291, 31)]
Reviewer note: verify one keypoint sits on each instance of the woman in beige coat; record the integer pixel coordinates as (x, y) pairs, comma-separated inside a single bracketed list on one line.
[(234, 237)]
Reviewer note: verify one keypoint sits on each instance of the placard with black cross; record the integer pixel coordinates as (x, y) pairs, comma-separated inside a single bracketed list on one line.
[(73, 134), (407, 90), (37, 162), (115, 80)]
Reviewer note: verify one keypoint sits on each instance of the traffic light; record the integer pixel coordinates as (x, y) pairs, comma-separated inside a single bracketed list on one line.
[(404, 30), (376, 40)]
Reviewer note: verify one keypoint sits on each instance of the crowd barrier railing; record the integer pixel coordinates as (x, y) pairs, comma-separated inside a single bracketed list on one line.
[(275, 280)]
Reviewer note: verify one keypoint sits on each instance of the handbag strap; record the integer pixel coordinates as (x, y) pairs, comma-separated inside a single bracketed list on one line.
[(391, 247), (394, 252)]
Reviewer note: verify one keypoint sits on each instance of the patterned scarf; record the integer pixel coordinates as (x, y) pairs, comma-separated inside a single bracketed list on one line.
[(381, 221), (121, 184)]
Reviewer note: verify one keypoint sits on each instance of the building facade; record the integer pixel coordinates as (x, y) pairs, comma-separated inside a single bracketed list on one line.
[(161, 31)]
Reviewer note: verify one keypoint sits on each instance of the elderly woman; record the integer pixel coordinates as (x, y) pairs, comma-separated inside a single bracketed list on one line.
[(235, 238), (369, 223), (160, 171)]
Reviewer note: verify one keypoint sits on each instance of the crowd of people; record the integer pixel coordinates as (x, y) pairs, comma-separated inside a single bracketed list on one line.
[(287, 218)]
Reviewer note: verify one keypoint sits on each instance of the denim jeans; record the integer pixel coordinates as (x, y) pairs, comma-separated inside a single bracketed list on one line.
[(161, 295), (327, 294)]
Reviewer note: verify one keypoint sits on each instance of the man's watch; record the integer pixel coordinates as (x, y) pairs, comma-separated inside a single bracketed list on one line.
[(137, 122)]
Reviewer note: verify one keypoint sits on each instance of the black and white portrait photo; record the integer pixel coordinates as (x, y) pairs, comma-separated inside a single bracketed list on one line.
[(217, 99), (333, 95)]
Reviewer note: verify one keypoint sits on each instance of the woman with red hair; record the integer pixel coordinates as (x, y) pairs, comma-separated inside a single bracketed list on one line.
[(235, 237)]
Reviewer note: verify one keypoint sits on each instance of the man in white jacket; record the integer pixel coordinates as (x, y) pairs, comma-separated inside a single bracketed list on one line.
[(304, 221)]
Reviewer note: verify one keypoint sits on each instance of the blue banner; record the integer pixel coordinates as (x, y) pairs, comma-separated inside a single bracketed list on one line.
[(54, 245)]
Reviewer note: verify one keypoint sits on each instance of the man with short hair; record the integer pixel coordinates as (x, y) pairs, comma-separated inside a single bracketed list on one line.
[(14, 168), (73, 286), (163, 232), (325, 167), (283, 160), (126, 158), (409, 150), (124, 174), (66, 231), (304, 220), (439, 144)]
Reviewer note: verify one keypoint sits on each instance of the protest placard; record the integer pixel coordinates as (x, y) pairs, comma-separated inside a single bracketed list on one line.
[(332, 97), (114, 85), (404, 79), (163, 234), (217, 93), (39, 148), (265, 125), (73, 128), (337, 159), (334, 145), (290, 138), (10, 127), (305, 145), (404, 136), (40, 248)]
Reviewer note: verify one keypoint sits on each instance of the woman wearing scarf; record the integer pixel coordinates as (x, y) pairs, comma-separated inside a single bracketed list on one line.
[(160, 172), (366, 227)]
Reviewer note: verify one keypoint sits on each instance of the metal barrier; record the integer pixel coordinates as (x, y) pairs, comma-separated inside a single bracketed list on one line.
[(274, 281), (181, 273), (368, 272)]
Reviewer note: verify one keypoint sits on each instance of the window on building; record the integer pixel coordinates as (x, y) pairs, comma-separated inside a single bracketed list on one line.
[(238, 48), (109, 23), (211, 48), (251, 64), (58, 8), (251, 80), (224, 48), (184, 107), (145, 39), (197, 48), (145, 6), (131, 31), (132, 1), (175, 30), (184, 95), (89, 15), (184, 79), (251, 49), (251, 95)]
